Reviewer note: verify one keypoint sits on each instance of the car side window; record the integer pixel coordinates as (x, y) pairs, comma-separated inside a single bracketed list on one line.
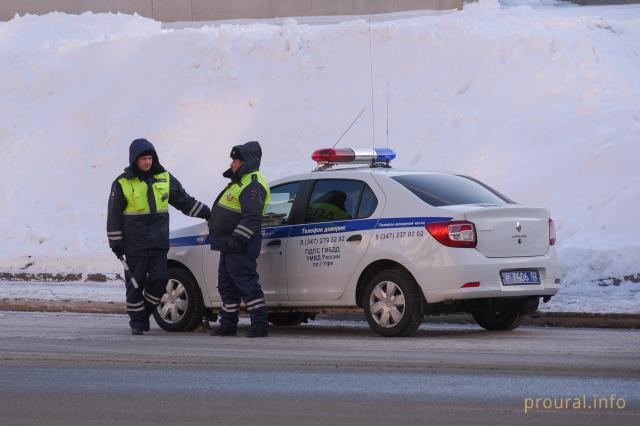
[(279, 209), (368, 203), (333, 200)]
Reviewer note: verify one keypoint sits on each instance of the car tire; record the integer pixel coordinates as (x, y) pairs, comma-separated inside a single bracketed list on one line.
[(397, 314), (286, 318), (181, 307), (501, 316)]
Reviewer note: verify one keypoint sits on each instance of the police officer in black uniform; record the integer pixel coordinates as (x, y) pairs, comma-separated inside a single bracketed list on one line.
[(235, 231), (138, 227)]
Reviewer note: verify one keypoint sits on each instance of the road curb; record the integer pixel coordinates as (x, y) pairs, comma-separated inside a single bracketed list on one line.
[(581, 319), (65, 305), (539, 319)]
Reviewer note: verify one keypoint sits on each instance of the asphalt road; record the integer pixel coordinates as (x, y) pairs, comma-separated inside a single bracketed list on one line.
[(86, 369)]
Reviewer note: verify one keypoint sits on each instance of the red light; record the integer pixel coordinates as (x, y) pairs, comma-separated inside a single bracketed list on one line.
[(552, 232), (332, 155), (459, 233), (472, 284)]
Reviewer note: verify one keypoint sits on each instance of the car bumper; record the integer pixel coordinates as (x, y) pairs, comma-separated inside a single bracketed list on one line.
[(443, 276)]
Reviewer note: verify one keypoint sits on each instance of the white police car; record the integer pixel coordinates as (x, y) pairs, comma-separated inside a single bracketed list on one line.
[(398, 244)]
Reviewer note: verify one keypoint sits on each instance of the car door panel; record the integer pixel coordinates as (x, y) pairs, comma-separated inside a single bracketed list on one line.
[(275, 233), (322, 255)]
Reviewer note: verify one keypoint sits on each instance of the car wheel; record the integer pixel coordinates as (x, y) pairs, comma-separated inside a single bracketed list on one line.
[(501, 315), (287, 318), (181, 307), (392, 304)]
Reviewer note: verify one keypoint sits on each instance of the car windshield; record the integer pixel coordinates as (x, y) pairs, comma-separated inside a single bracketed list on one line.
[(440, 189)]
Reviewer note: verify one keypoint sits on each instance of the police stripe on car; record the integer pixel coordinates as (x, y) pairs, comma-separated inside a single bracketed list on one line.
[(320, 229)]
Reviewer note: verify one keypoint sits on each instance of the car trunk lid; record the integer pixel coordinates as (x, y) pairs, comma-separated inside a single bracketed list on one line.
[(510, 230)]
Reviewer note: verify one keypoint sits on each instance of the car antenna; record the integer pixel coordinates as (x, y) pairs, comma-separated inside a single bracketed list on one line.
[(387, 115), (373, 113), (349, 128)]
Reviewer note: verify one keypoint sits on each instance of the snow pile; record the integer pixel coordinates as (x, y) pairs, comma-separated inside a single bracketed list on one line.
[(542, 105)]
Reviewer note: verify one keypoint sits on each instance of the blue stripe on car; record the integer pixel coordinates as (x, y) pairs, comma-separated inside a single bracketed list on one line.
[(195, 240), (322, 228)]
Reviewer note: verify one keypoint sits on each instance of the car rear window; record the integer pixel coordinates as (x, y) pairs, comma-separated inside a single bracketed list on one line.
[(446, 190)]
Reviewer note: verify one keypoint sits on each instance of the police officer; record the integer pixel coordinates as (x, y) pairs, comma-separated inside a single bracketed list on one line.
[(329, 207), (234, 226), (138, 227)]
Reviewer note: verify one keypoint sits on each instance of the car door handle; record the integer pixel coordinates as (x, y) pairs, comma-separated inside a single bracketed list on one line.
[(356, 237), (274, 243)]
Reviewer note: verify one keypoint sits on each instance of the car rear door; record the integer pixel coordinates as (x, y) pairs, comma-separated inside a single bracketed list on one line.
[(323, 251)]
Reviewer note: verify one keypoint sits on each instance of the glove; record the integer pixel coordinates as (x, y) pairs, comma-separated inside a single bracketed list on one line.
[(236, 245), (118, 251), (205, 213)]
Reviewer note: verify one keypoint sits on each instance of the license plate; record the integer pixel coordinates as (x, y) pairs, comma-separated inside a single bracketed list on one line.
[(520, 277)]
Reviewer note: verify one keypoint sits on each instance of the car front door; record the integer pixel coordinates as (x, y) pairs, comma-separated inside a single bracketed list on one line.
[(271, 263), (275, 230), (323, 251)]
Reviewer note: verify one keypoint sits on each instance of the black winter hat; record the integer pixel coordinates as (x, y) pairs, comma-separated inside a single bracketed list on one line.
[(247, 152), (147, 152), (236, 154), (141, 147)]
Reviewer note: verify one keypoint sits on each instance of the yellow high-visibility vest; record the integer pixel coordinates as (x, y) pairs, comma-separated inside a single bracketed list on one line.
[(230, 199), (135, 192)]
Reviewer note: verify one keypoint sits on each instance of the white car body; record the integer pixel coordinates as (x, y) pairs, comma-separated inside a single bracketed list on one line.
[(314, 268)]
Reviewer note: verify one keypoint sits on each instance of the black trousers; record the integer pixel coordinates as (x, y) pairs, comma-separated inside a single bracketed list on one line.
[(238, 281), (151, 274)]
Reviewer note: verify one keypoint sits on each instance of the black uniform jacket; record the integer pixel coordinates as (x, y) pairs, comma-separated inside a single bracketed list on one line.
[(225, 223), (144, 234)]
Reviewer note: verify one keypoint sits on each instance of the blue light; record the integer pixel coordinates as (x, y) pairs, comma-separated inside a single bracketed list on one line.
[(384, 154)]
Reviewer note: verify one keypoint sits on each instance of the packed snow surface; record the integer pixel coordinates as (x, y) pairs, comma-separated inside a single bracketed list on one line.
[(541, 103)]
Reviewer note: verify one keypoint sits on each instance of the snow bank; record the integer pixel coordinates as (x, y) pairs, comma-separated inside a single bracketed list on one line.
[(542, 105)]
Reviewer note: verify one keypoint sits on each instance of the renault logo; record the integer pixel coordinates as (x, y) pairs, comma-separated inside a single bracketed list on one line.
[(518, 226)]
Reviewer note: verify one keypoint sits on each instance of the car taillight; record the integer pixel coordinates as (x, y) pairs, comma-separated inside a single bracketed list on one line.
[(458, 233), (552, 232)]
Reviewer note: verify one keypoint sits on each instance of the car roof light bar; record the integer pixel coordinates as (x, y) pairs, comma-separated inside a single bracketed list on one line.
[(373, 156)]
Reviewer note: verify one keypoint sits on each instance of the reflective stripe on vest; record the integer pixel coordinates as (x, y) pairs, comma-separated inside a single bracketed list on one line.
[(230, 200), (135, 192)]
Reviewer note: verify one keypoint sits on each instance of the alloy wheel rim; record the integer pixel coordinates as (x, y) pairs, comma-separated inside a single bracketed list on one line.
[(173, 303), (387, 304)]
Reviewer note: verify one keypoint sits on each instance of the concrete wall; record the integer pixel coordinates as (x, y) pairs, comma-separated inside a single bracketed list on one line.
[(209, 10)]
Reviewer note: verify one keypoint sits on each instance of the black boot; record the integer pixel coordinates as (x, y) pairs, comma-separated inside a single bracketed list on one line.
[(257, 332), (136, 332)]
